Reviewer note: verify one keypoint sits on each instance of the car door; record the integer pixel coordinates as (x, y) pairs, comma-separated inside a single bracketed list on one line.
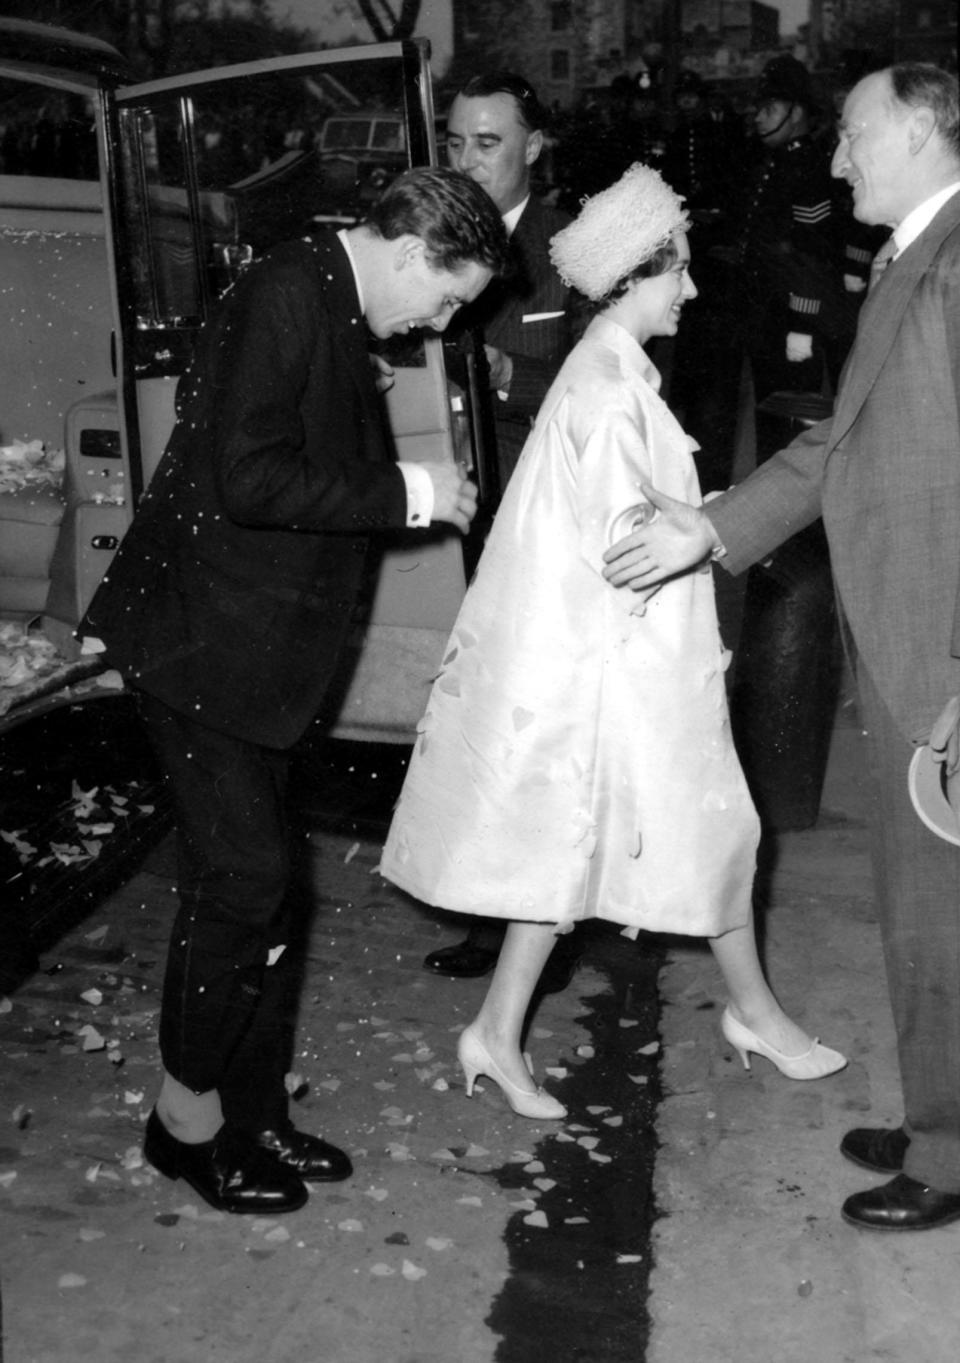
[(208, 171)]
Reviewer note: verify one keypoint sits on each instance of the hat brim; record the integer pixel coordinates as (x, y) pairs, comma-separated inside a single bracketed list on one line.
[(925, 781)]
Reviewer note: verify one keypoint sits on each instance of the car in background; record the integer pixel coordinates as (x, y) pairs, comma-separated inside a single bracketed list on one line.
[(125, 211)]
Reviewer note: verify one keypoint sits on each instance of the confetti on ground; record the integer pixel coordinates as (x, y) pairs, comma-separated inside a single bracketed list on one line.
[(613, 1121), (377, 1194), (589, 1142), (351, 853), (411, 1272), (586, 1051), (536, 1219), (651, 1048), (638, 1078), (440, 1085), (446, 1155), (557, 1071), (382, 1271), (476, 1151), (351, 1224), (629, 1022), (92, 1040), (92, 996), (439, 1242), (278, 1235), (601, 1159), (535, 1166), (596, 1111), (629, 1258), (544, 1184), (576, 1221)]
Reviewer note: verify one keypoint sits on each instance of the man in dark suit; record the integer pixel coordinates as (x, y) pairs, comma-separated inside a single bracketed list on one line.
[(495, 131), (227, 609), (884, 473)]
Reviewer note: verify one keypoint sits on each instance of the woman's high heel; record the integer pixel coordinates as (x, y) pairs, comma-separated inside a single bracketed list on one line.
[(476, 1059), (815, 1063)]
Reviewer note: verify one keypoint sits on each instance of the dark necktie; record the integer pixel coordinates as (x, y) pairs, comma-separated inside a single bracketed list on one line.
[(882, 259)]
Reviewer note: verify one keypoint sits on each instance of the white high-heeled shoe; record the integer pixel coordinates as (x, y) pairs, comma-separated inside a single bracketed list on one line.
[(476, 1059), (815, 1063)]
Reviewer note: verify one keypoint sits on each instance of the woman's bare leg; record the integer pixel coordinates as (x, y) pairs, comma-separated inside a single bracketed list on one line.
[(499, 1022), (752, 1001)]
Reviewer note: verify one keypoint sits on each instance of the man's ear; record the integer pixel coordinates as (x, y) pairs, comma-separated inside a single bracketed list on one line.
[(922, 125), (408, 250), (534, 147)]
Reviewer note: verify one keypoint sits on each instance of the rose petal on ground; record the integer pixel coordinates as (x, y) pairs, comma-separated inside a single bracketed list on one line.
[(535, 1166), (476, 1151), (470, 1201), (89, 1233), (544, 1184), (351, 1224), (629, 1022), (629, 1258), (586, 1051), (613, 1121), (651, 1048), (377, 1194), (536, 1219), (71, 1280), (382, 1271), (439, 1242), (589, 1142), (93, 996), (411, 1272)]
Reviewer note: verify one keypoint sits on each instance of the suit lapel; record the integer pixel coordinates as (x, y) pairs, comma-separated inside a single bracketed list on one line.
[(881, 315)]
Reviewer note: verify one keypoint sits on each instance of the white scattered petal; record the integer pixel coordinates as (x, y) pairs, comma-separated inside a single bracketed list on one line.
[(439, 1242), (629, 1258), (536, 1219), (411, 1272), (382, 1271), (651, 1048), (71, 1280), (351, 1224), (93, 996)]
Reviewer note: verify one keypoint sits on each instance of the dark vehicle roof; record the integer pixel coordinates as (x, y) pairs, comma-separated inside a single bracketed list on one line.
[(58, 49)]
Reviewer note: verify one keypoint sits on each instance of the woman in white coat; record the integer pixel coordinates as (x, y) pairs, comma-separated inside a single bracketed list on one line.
[(575, 757)]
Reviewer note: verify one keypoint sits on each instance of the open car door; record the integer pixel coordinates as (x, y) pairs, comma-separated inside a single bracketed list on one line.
[(210, 170)]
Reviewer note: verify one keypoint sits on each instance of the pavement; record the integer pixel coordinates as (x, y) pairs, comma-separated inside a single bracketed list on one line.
[(687, 1212)]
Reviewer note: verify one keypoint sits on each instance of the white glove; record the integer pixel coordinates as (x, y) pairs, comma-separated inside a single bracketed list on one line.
[(799, 347)]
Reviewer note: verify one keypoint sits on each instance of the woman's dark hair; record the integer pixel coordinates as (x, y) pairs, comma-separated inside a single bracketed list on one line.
[(532, 113), (662, 259), (455, 217)]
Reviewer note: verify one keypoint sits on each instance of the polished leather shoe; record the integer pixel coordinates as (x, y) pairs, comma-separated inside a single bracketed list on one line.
[(464, 960), (877, 1148), (231, 1172), (314, 1160), (901, 1204)]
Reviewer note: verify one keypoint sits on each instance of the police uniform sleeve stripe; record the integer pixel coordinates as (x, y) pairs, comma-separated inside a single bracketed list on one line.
[(812, 213)]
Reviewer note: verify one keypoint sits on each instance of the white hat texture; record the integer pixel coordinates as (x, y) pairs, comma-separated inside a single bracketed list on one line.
[(617, 230)]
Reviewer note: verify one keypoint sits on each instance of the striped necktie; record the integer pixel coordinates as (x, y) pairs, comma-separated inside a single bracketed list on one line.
[(882, 259)]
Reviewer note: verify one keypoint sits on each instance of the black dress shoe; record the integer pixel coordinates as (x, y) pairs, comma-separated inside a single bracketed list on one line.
[(231, 1172), (314, 1160), (464, 960), (901, 1204), (877, 1148)]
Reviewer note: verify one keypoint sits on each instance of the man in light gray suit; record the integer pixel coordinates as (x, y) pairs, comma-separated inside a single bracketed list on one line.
[(884, 472)]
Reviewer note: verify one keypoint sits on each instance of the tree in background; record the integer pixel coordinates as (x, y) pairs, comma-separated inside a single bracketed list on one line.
[(389, 23)]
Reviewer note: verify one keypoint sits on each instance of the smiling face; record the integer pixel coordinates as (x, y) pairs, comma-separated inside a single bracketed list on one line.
[(654, 303), (414, 294), (873, 154), (488, 140)]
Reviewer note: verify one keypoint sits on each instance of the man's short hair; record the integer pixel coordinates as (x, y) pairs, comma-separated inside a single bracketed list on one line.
[(455, 217), (923, 85), (532, 113)]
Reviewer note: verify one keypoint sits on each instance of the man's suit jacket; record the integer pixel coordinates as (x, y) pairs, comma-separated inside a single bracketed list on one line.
[(885, 473), (234, 588), (528, 315)]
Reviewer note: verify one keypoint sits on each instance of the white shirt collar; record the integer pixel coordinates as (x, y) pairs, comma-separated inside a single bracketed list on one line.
[(920, 217), (344, 241), (511, 219)]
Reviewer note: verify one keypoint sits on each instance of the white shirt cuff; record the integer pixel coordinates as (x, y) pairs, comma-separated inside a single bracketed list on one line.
[(419, 494)]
